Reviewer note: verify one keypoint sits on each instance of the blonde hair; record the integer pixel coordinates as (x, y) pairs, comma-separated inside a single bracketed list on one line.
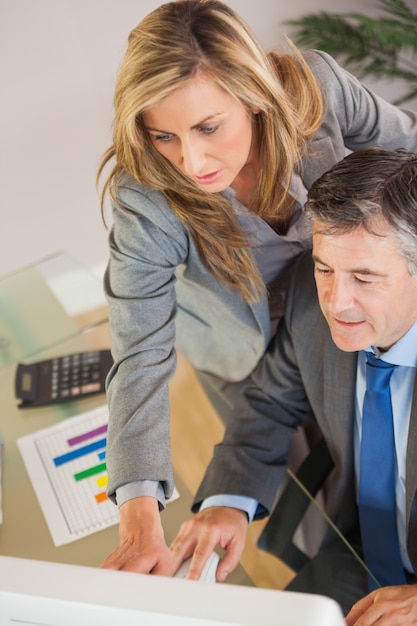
[(164, 51)]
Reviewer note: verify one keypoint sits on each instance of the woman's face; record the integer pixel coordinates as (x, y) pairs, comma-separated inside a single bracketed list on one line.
[(205, 132)]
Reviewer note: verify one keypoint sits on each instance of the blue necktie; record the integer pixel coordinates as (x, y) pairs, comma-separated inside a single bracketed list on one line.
[(377, 512)]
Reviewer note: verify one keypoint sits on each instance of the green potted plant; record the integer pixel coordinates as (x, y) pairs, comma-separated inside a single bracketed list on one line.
[(383, 47)]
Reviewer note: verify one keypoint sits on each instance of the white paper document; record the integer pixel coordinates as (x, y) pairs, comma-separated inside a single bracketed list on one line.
[(67, 467)]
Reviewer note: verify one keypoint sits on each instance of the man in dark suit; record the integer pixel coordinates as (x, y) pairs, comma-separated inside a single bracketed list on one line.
[(356, 294)]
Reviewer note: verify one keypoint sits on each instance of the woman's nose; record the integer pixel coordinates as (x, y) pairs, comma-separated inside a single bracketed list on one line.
[(192, 158)]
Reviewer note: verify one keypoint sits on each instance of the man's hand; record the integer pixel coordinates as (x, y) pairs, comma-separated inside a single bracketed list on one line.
[(388, 606), (142, 546), (198, 536)]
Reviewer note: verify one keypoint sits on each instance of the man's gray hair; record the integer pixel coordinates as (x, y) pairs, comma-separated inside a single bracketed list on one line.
[(366, 185)]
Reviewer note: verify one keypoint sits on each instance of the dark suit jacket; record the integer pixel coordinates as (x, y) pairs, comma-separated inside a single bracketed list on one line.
[(302, 377)]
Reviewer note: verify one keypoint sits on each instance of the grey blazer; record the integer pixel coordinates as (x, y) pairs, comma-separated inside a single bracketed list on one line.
[(162, 297), (302, 377)]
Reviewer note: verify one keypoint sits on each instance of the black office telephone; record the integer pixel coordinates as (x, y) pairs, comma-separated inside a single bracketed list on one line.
[(61, 379)]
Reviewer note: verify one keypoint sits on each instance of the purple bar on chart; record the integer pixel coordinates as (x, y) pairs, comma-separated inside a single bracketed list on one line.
[(89, 435), (75, 454)]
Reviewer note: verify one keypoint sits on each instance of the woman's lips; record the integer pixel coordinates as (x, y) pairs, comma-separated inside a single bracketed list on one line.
[(208, 179)]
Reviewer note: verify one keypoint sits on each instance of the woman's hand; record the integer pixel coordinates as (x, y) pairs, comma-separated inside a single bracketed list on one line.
[(215, 526), (142, 546), (388, 606)]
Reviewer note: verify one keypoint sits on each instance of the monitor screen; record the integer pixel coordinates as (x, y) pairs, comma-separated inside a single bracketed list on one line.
[(54, 594)]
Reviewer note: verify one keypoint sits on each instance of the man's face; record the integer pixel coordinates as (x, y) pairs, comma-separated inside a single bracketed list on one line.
[(365, 290)]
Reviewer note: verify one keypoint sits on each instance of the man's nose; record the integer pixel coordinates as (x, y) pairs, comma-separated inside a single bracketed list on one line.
[(339, 296)]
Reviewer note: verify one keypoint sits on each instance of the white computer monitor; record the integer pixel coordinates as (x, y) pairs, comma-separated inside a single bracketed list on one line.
[(38, 592)]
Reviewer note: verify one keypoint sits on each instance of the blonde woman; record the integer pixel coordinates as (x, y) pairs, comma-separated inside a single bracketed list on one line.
[(215, 144)]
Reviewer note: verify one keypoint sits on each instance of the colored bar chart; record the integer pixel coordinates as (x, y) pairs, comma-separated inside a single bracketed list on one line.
[(67, 466)]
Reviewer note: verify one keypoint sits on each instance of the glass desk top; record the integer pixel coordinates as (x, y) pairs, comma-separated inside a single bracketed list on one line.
[(24, 532), (45, 303)]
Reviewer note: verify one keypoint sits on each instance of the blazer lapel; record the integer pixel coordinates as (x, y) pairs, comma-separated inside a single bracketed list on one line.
[(339, 381), (411, 483)]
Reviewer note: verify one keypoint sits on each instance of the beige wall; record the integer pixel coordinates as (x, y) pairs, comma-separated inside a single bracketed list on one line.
[(58, 60)]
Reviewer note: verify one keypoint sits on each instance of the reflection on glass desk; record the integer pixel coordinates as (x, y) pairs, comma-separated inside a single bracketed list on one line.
[(45, 303)]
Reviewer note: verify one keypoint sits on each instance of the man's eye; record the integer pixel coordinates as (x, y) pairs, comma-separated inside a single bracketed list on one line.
[(322, 271), (362, 281)]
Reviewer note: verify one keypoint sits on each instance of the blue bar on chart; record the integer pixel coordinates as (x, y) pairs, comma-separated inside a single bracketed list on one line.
[(79, 452)]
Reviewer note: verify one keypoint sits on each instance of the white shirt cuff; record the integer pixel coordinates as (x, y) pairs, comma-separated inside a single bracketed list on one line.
[(244, 503), (138, 488)]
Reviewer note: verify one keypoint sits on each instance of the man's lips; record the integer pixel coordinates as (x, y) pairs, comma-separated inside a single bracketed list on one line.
[(347, 323)]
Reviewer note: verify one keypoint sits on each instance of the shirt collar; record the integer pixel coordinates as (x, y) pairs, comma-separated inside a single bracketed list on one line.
[(404, 352)]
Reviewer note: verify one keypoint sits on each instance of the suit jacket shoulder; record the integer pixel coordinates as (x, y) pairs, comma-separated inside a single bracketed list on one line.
[(355, 118)]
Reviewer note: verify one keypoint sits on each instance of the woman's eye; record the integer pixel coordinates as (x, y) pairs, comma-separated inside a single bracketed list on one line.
[(164, 138), (321, 270), (208, 130)]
